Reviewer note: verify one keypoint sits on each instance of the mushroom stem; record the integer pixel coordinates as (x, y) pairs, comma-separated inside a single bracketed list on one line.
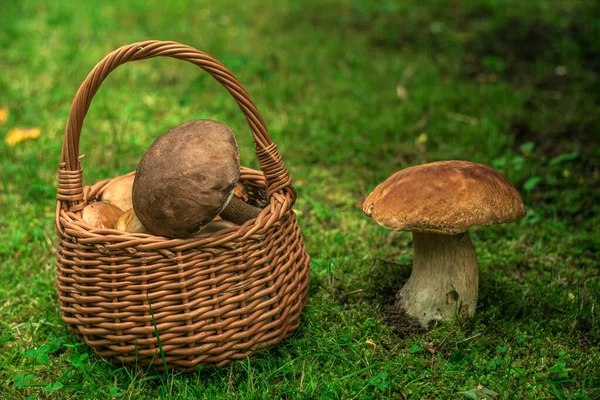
[(444, 279), (238, 211)]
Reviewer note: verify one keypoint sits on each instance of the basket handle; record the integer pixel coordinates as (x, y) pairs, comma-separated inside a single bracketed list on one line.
[(70, 181)]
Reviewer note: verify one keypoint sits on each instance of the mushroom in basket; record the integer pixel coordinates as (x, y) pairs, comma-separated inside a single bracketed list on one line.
[(187, 177), (101, 215), (129, 222), (118, 192)]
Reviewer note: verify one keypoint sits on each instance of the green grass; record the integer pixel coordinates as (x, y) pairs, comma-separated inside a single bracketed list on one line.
[(347, 88)]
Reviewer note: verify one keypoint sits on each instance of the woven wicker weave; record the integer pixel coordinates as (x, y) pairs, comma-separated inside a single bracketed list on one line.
[(208, 300)]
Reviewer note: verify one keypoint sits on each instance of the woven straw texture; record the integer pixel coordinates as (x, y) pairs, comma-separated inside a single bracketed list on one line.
[(179, 303)]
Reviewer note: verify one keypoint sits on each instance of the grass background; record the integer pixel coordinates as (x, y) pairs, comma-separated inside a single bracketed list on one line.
[(352, 91)]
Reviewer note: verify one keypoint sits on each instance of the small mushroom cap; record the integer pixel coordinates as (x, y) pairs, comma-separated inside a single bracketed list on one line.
[(101, 215), (445, 197), (186, 178), (118, 192)]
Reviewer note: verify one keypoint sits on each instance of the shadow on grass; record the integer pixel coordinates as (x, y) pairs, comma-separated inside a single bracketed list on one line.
[(383, 283)]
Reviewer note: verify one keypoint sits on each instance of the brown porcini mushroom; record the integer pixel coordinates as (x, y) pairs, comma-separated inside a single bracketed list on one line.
[(438, 202), (118, 192), (101, 215), (187, 177)]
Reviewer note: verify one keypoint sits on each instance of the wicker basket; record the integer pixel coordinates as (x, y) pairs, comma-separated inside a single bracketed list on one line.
[(179, 303)]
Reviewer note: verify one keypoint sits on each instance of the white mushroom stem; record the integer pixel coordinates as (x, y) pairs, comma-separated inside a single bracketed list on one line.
[(444, 280)]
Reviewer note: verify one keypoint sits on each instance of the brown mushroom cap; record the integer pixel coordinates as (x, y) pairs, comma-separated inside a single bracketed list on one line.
[(186, 178), (445, 197), (101, 215)]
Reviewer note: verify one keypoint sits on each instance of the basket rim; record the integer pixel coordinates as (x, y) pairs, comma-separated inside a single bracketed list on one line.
[(71, 225)]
